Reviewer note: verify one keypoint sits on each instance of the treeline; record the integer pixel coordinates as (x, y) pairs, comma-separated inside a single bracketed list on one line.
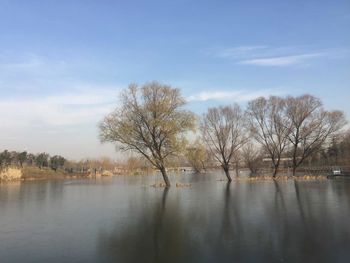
[(152, 121), (21, 159), (43, 161), (284, 128), (336, 152)]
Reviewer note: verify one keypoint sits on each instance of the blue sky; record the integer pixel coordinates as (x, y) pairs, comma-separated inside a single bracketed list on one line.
[(62, 63)]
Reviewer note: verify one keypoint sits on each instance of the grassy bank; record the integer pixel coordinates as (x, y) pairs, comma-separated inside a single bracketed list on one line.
[(33, 173), (10, 174)]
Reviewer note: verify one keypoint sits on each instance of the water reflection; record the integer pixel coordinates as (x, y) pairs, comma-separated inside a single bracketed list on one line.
[(119, 221), (265, 222), (158, 235)]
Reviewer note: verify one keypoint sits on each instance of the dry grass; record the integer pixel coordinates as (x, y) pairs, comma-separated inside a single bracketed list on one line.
[(159, 185), (10, 174), (182, 185), (34, 173), (179, 185), (106, 173), (282, 178)]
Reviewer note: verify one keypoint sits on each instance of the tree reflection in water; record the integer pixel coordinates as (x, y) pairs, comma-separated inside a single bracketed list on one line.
[(158, 235), (237, 222)]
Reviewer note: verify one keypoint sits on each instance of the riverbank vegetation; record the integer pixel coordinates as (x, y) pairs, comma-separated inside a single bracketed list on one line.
[(23, 165), (27, 166)]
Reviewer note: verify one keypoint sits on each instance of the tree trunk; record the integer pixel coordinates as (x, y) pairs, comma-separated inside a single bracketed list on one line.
[(165, 176), (227, 172), (295, 159), (276, 166), (237, 170), (275, 170)]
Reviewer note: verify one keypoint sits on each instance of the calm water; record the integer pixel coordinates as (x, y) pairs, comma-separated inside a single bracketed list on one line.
[(123, 219)]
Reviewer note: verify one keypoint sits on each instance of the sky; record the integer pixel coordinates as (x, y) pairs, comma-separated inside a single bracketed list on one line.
[(63, 63)]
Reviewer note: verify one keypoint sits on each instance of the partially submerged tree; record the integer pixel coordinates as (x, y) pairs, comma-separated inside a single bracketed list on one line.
[(223, 131), (310, 126), (269, 126), (149, 121)]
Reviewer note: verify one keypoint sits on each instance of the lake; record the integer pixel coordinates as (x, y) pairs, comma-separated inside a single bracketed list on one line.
[(124, 219)]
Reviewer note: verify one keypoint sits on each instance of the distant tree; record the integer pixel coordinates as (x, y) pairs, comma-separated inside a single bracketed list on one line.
[(133, 163), (42, 160), (151, 122), (345, 147), (5, 159), (252, 157), (333, 151), (269, 126), (107, 163), (237, 160), (22, 158), (222, 130), (310, 126), (56, 162), (14, 158), (30, 159), (196, 155)]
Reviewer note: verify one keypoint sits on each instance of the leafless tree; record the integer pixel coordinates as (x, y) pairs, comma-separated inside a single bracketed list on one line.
[(311, 126), (252, 157), (150, 121), (223, 131), (269, 126), (197, 156)]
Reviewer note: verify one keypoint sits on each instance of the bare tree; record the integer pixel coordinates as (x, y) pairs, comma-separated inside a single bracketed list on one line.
[(311, 126), (223, 131), (269, 126), (150, 121), (236, 160), (252, 157), (197, 156)]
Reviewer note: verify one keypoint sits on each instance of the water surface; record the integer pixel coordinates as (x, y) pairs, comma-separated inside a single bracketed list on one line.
[(123, 219)]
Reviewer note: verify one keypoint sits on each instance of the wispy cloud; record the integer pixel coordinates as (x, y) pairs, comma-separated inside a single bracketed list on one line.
[(32, 63), (263, 55), (281, 61), (239, 51), (58, 110), (233, 95)]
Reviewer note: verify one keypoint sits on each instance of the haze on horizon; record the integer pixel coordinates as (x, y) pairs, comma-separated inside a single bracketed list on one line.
[(63, 63)]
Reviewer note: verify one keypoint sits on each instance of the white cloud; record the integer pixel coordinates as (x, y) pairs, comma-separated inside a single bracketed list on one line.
[(263, 55), (78, 108), (238, 51), (67, 109), (33, 64), (235, 95), (281, 61)]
